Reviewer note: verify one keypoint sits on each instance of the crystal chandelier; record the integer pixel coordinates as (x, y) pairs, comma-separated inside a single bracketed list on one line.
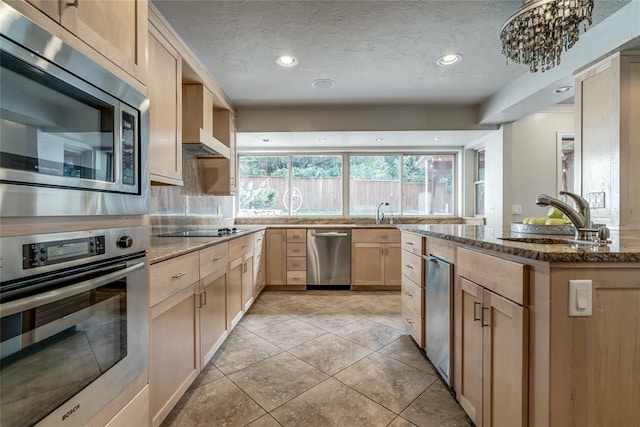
[(540, 30)]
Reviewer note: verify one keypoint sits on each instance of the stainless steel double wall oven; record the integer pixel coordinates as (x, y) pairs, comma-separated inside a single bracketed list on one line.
[(73, 304)]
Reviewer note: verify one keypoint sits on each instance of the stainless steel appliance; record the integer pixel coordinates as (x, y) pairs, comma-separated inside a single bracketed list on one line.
[(74, 331), (328, 258), (73, 137), (215, 232), (439, 314)]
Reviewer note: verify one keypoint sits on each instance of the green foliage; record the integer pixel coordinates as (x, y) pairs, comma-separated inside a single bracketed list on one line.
[(317, 166), (263, 166), (260, 197), (374, 167), (410, 171)]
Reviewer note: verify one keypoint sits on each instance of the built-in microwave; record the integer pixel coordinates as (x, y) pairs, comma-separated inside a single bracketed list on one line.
[(73, 137)]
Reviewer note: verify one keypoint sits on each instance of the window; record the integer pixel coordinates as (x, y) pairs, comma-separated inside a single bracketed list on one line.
[(290, 185), (412, 184), (479, 183), (373, 179), (428, 184), (263, 182)]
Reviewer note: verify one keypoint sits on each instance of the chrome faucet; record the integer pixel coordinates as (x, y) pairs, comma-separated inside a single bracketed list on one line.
[(380, 215), (581, 218)]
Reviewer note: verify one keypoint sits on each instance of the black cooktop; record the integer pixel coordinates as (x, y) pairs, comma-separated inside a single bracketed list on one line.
[(216, 232)]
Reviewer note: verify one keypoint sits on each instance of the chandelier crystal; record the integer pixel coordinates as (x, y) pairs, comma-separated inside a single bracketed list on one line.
[(540, 30)]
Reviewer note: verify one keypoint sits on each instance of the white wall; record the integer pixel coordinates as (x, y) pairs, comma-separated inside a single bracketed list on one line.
[(493, 182), (531, 161)]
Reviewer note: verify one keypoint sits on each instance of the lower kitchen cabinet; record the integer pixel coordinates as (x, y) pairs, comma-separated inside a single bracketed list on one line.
[(135, 413), (276, 257), (259, 263), (174, 356), (492, 339), (212, 316), (247, 281), (240, 289), (375, 259)]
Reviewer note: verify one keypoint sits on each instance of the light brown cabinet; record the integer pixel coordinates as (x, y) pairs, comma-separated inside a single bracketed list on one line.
[(492, 340), (212, 316), (413, 303), (240, 289), (296, 262), (165, 106), (115, 31), (276, 257), (135, 413), (219, 174), (375, 259)]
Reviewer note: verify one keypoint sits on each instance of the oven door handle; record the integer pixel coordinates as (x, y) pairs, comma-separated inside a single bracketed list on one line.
[(33, 301)]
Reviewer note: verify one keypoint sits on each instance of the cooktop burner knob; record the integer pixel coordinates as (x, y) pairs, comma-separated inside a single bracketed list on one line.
[(124, 242)]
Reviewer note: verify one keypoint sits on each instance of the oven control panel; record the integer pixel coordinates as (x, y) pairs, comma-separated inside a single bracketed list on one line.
[(47, 253)]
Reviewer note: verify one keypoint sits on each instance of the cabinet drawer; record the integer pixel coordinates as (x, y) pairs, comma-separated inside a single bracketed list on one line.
[(297, 235), (240, 246), (297, 277), (296, 263), (413, 297), (506, 278), (412, 267), (382, 235), (414, 324), (442, 249), (296, 249), (412, 243), (171, 276), (213, 258)]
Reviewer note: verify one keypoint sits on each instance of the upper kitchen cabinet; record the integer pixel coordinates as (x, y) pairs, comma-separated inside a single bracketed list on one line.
[(114, 34), (219, 174), (607, 98), (165, 95)]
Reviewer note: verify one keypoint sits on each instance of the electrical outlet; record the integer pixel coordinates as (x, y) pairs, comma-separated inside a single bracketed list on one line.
[(516, 209), (492, 210), (596, 200)]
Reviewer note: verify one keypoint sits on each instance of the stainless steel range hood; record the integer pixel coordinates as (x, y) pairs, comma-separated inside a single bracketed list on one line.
[(206, 146)]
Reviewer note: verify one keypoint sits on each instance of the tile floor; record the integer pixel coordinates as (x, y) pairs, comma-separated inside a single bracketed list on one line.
[(319, 358)]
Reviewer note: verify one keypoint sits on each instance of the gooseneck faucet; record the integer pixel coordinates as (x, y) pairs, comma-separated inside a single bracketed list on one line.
[(380, 215), (581, 218)]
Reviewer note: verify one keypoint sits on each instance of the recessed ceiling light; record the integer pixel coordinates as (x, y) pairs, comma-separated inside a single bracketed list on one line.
[(436, 138), (322, 139), (323, 84), (563, 89), (449, 59), (286, 61), (379, 139)]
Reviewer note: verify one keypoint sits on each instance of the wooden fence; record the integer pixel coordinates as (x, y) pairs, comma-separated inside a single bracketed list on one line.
[(324, 195)]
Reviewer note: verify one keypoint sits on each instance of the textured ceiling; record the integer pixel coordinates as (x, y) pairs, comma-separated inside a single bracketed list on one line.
[(377, 52)]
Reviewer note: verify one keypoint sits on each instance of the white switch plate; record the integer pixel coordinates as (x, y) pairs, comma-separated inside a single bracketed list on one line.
[(580, 298), (516, 209), (492, 210)]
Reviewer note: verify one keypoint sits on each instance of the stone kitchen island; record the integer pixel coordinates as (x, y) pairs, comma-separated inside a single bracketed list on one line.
[(519, 358)]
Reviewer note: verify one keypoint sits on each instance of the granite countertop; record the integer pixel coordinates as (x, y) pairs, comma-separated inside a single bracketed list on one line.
[(164, 248), (624, 246)]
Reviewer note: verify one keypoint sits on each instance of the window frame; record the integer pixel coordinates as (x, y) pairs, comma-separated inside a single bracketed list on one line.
[(458, 179), (477, 181)]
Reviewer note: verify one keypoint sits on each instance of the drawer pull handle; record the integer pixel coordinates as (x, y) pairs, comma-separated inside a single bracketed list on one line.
[(408, 243), (74, 3), (409, 266), (476, 316), (243, 246), (409, 321), (179, 275), (485, 319), (409, 293), (204, 294), (218, 258)]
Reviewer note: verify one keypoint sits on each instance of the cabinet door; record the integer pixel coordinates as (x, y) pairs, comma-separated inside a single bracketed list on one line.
[(393, 265), (174, 352), (234, 293), (135, 413), (258, 274), (51, 8), (213, 324), (469, 349), (367, 264), (117, 30), (164, 86), (505, 365), (247, 281), (276, 255)]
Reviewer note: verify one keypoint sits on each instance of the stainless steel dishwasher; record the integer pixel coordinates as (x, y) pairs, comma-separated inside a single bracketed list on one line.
[(328, 258), (438, 314)]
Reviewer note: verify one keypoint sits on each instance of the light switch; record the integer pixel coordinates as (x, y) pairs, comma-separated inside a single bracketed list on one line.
[(580, 297)]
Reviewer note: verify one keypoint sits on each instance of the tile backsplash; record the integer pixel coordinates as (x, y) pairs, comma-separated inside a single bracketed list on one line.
[(173, 204)]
